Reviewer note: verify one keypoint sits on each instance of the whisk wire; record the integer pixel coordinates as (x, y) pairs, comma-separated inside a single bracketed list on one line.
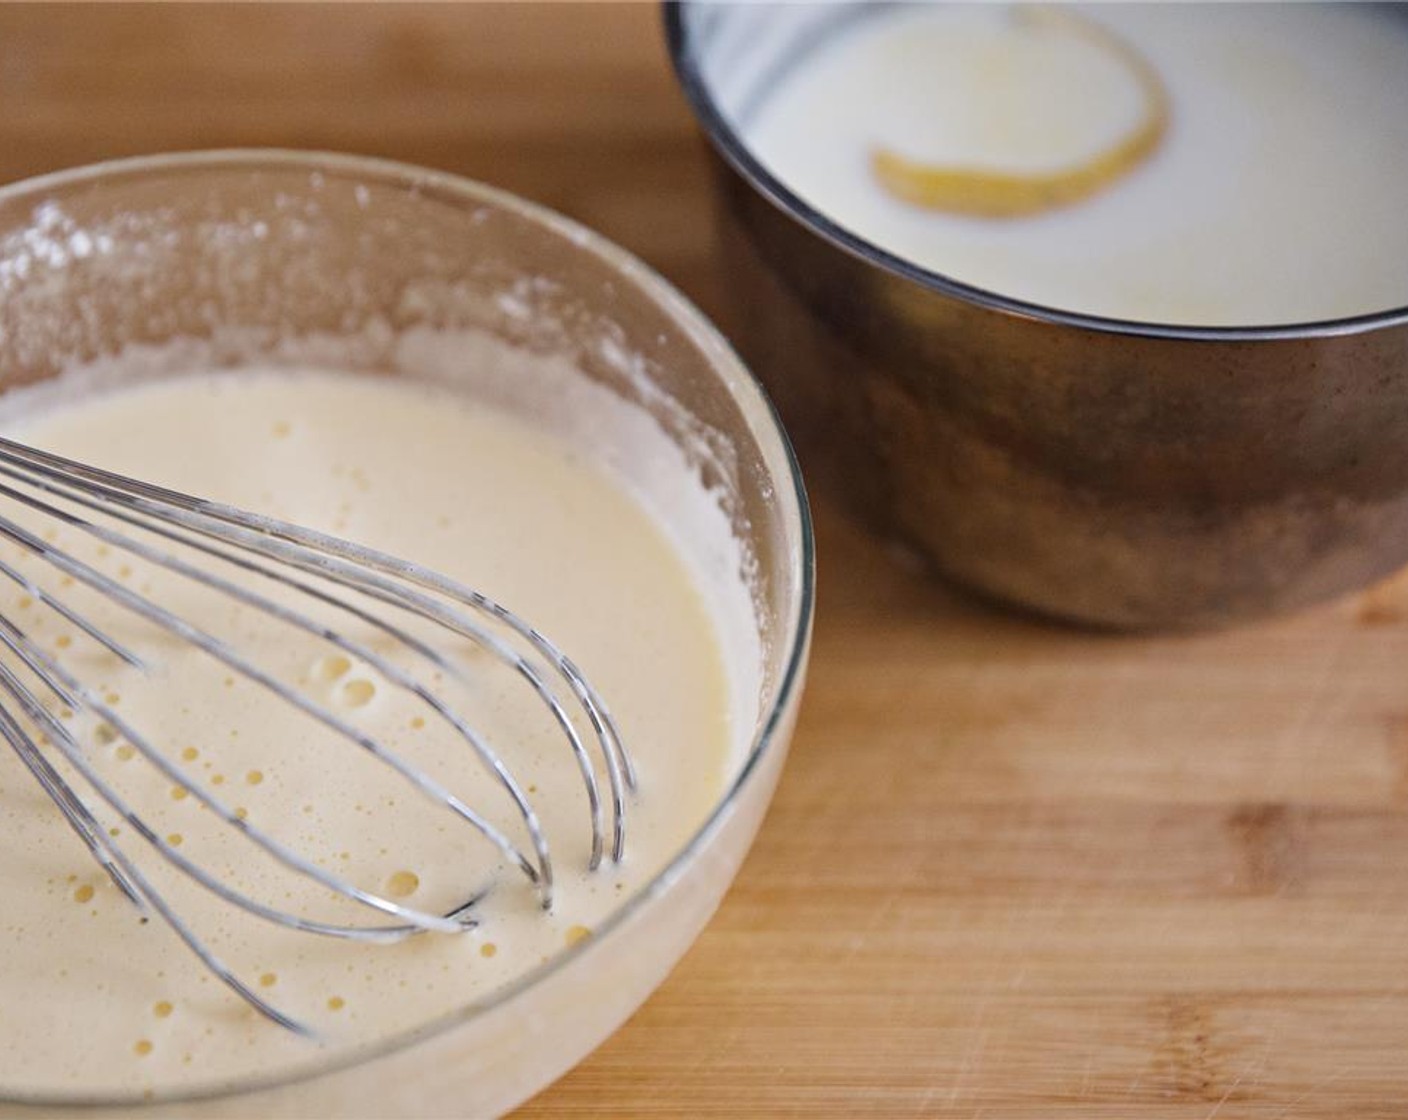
[(69, 803), (272, 549), (129, 877), (226, 655), (321, 545), (72, 692), (323, 555)]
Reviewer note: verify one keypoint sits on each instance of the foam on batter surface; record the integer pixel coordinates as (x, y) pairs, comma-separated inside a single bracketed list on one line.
[(115, 1004)]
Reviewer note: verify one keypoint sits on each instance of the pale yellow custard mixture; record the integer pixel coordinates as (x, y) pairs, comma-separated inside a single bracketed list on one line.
[(97, 1000)]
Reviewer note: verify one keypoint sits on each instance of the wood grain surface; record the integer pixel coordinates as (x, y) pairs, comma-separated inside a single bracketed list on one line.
[(1012, 870)]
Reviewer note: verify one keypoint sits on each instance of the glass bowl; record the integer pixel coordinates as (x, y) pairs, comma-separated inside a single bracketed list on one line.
[(277, 257)]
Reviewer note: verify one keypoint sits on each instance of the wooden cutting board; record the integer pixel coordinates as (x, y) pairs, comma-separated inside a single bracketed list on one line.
[(1015, 871), (1012, 870)]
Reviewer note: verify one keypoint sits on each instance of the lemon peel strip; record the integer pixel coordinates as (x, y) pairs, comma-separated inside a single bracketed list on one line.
[(988, 193)]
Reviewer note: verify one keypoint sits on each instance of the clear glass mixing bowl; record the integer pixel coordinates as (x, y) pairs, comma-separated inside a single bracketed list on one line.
[(276, 256)]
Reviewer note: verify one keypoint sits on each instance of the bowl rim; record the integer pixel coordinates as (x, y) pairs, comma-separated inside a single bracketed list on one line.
[(731, 147), (764, 423)]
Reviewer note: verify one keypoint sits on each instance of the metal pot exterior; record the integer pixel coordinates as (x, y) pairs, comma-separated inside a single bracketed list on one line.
[(1119, 479)]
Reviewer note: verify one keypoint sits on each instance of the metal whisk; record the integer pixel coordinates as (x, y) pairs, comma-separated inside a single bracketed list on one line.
[(206, 542)]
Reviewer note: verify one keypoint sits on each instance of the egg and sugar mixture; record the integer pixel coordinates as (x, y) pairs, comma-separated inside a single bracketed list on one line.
[(103, 998)]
